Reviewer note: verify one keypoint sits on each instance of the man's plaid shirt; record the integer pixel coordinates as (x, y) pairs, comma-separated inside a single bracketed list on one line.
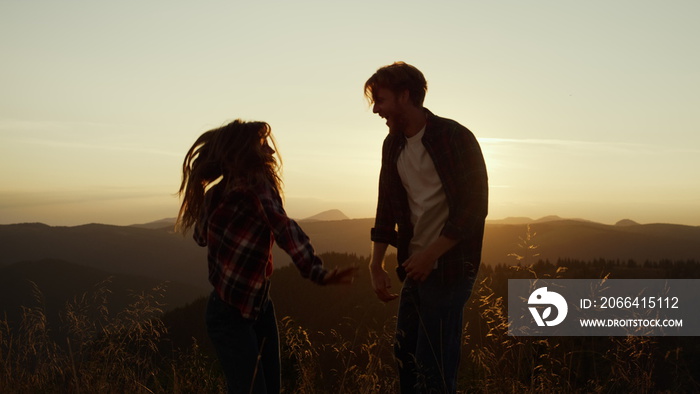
[(239, 228), (460, 165)]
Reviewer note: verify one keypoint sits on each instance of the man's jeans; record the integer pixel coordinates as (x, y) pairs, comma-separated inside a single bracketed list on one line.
[(429, 331), (239, 342)]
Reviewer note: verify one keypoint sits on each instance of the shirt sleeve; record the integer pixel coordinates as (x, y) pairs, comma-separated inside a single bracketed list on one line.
[(290, 237), (201, 226), (468, 185), (384, 230)]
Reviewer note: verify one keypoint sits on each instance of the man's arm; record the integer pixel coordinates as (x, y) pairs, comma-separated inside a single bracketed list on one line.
[(381, 283), (383, 233), (467, 185)]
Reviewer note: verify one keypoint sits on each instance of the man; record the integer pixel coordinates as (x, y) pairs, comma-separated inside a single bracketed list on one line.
[(432, 205)]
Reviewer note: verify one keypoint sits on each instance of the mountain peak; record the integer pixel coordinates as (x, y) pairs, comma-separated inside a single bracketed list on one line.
[(333, 214), (549, 218), (158, 224), (627, 222)]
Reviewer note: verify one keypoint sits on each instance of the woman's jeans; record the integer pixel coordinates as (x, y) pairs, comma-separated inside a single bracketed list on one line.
[(248, 350), (429, 331)]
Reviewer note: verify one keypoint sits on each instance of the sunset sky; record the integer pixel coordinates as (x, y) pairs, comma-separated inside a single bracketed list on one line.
[(583, 109)]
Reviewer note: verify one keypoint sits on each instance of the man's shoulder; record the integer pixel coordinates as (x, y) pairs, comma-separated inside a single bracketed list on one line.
[(393, 140), (438, 124)]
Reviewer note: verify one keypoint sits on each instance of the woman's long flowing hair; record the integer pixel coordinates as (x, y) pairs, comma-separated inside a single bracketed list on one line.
[(235, 155)]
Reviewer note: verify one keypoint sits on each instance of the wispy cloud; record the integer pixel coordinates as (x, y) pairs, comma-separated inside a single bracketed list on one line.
[(80, 136), (104, 146), (26, 199), (599, 146)]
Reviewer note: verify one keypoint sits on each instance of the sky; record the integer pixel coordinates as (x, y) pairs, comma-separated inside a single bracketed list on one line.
[(583, 109)]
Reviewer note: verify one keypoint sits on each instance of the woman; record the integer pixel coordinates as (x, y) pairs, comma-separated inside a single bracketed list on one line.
[(230, 194)]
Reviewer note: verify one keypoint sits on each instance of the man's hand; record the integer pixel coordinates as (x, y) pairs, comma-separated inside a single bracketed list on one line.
[(381, 283), (419, 266), (340, 276)]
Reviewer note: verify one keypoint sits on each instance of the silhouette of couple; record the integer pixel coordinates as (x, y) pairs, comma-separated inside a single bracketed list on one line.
[(432, 205)]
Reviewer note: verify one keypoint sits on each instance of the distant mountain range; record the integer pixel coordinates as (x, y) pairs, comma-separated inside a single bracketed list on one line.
[(336, 214), (551, 218), (130, 250), (526, 220), (154, 252), (332, 214)]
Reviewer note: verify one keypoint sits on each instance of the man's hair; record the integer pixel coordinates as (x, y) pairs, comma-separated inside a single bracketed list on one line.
[(398, 77)]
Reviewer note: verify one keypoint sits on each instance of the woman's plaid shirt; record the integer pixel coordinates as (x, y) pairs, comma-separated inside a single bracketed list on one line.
[(239, 228)]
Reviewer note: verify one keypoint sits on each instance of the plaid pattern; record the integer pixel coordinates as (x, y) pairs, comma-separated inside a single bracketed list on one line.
[(239, 229), (460, 165)]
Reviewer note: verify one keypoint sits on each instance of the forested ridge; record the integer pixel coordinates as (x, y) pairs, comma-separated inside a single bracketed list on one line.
[(336, 338)]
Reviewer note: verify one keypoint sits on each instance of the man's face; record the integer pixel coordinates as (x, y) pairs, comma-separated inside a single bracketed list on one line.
[(390, 107)]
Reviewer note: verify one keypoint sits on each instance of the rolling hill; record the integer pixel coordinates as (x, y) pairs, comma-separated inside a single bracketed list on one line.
[(585, 240), (155, 252), (59, 282), (66, 262)]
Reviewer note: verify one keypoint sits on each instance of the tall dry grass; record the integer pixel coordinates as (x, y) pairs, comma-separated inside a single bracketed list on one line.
[(509, 364), (124, 352), (333, 363), (96, 350)]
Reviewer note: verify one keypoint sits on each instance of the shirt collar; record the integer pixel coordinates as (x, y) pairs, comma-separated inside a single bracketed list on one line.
[(417, 137)]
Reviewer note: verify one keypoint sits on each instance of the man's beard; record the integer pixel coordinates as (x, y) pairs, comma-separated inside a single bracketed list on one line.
[(398, 124)]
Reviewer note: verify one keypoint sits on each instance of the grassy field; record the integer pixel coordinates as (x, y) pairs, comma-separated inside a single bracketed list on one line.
[(129, 351), (92, 349)]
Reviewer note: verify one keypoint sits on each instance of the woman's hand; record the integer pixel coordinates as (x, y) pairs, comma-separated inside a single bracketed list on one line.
[(338, 276)]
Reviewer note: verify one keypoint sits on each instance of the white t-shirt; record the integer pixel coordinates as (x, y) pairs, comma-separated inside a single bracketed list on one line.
[(426, 197)]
